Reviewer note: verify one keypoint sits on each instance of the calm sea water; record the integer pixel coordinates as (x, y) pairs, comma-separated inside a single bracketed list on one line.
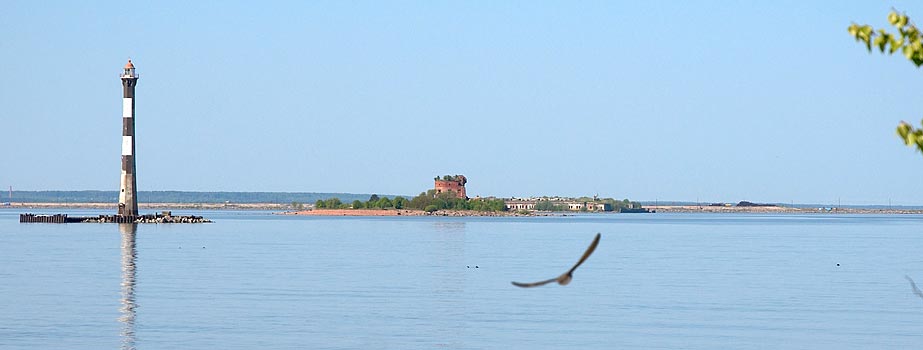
[(253, 280)]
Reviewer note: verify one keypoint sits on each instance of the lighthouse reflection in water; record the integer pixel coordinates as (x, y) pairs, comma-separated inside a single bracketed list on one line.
[(127, 308)]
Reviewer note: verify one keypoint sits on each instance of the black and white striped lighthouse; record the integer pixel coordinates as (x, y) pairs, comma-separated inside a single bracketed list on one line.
[(128, 201)]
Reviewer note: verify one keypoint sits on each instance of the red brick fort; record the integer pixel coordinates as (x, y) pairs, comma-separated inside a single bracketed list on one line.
[(454, 184)]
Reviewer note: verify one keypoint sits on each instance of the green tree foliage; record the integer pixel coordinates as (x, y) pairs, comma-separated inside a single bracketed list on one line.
[(911, 136), (487, 205), (448, 178), (449, 201), (549, 206), (379, 202), (909, 40), (333, 203), (423, 201), (297, 206), (399, 202)]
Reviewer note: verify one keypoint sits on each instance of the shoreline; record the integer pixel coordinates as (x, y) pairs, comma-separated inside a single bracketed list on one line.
[(396, 212), (773, 210), (286, 209)]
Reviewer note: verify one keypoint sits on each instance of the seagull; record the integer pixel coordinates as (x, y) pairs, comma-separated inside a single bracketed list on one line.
[(565, 278), (914, 286)]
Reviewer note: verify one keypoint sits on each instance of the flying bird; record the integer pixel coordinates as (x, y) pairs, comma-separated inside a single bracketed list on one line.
[(565, 278)]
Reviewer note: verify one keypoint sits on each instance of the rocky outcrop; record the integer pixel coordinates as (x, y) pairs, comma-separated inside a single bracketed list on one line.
[(149, 219)]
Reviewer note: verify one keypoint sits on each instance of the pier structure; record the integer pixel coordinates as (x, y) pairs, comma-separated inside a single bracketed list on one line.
[(128, 201), (165, 217)]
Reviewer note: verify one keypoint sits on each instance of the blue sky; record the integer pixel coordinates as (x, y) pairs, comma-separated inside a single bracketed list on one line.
[(710, 101)]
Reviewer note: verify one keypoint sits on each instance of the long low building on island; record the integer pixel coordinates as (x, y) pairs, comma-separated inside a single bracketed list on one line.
[(530, 204)]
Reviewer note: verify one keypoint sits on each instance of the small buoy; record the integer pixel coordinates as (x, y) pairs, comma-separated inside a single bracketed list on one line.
[(475, 266), (467, 267), (837, 264)]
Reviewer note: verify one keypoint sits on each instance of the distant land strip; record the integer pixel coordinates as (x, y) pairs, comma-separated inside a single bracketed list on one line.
[(177, 197), (285, 201), (153, 206), (779, 209)]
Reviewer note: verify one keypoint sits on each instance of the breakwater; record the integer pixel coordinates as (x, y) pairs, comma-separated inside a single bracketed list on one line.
[(163, 218)]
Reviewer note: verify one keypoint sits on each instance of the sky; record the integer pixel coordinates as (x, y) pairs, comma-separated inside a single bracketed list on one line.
[(712, 101)]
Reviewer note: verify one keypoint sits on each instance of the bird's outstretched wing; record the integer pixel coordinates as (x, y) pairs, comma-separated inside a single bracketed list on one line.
[(914, 286), (534, 284), (586, 254), (566, 277)]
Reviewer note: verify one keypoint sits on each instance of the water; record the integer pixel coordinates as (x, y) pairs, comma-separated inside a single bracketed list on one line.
[(254, 280)]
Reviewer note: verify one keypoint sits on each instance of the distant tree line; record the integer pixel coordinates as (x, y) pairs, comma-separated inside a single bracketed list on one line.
[(429, 201), (374, 202)]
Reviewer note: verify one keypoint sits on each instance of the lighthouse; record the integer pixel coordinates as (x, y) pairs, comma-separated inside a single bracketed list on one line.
[(128, 200)]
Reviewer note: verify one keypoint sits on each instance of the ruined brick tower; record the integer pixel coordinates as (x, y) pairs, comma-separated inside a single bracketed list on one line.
[(454, 184), (128, 201)]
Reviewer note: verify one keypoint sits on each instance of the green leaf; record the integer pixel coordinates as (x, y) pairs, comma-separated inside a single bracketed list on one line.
[(910, 136), (912, 33), (896, 45), (894, 18), (854, 30), (903, 130), (866, 32), (880, 43)]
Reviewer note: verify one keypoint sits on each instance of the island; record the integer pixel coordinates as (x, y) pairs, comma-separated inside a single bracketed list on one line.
[(448, 197)]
